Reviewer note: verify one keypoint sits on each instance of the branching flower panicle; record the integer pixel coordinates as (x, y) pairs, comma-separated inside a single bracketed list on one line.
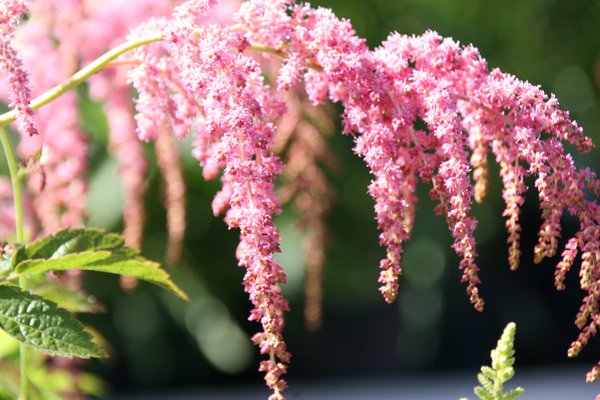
[(19, 92), (234, 132), (409, 82), (421, 109), (61, 148), (305, 185)]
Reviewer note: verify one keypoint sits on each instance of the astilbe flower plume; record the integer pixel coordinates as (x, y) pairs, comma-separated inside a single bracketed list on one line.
[(17, 89), (300, 139), (233, 110), (109, 22), (425, 108), (57, 158), (421, 108), (167, 159)]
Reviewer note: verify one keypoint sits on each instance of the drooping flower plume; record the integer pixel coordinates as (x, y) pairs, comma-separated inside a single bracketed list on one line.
[(233, 111), (425, 108), (305, 185), (19, 92), (421, 109), (59, 154)]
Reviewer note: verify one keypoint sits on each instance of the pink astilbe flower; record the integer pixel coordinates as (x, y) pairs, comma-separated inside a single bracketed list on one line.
[(426, 108), (421, 108), (61, 147), (19, 93), (168, 160), (129, 152), (300, 140), (109, 22), (226, 99)]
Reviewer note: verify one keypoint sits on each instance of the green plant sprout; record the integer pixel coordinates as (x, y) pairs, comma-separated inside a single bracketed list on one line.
[(492, 379)]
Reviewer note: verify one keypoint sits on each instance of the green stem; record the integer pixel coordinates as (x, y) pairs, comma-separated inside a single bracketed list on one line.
[(83, 74), (98, 64), (13, 169)]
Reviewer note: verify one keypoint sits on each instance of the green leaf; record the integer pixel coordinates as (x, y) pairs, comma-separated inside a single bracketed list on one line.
[(5, 264), (482, 394), (70, 261), (91, 250), (492, 379), (513, 394), (68, 241), (39, 323), (74, 301), (121, 262)]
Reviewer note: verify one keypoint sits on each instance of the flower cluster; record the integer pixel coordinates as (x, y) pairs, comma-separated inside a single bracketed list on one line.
[(425, 108), (421, 109), (18, 91), (305, 185), (222, 93)]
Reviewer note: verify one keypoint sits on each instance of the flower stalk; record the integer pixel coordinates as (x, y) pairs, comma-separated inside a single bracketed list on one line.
[(20, 237), (83, 74)]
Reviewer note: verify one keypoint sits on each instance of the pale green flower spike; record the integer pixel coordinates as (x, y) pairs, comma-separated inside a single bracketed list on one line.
[(492, 379)]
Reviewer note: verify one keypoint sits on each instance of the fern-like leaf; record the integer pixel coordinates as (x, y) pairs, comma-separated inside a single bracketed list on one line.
[(492, 379)]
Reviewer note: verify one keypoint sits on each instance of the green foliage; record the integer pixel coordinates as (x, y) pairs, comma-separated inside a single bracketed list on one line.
[(40, 324), (68, 241), (33, 316), (74, 301), (92, 250), (46, 383), (53, 383), (492, 379)]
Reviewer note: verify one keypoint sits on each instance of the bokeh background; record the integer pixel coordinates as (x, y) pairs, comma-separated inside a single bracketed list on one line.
[(162, 343)]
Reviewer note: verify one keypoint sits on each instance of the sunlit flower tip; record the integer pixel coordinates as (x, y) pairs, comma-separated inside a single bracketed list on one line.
[(19, 93), (194, 9), (568, 257), (593, 375)]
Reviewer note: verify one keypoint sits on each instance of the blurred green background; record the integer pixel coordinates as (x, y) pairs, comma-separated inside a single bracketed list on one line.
[(161, 342)]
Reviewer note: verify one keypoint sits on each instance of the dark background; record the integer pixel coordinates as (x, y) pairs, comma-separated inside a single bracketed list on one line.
[(161, 342)]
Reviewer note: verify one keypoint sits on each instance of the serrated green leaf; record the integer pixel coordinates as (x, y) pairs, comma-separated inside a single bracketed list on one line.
[(120, 263), (68, 241), (40, 324), (91, 250), (487, 371), (482, 394), (74, 301), (70, 261), (486, 382)]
